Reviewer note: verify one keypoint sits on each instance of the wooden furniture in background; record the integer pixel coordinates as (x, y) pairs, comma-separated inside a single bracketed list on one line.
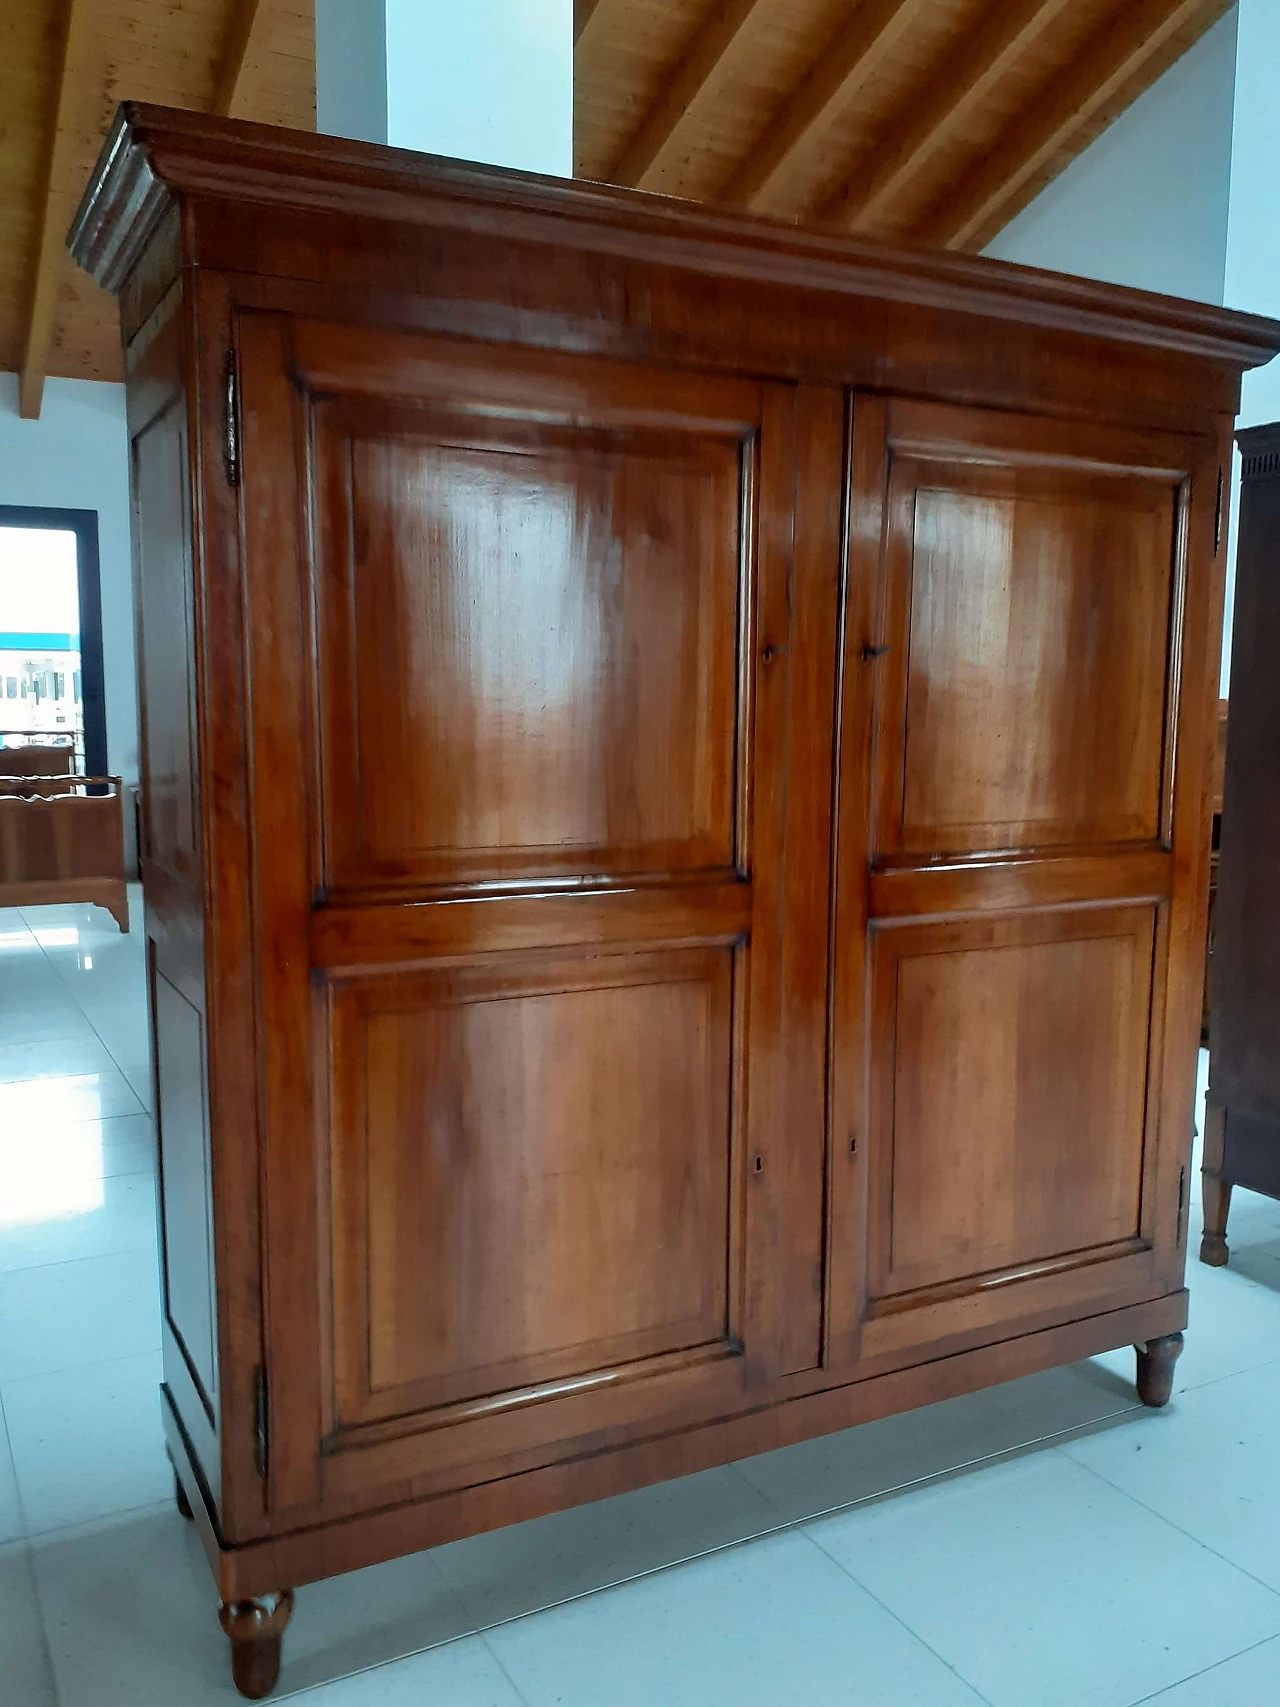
[(1242, 1116), (1215, 846), (39, 767), (677, 764), (37, 759), (62, 839)]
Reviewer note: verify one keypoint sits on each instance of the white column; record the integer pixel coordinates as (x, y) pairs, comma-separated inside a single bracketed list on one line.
[(488, 80)]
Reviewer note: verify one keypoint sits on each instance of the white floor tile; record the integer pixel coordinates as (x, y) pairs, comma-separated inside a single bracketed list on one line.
[(72, 1313), (78, 1149), (551, 1559), (1251, 1679), (62, 1218), (859, 1463), (367, 1618), (104, 1420), (1208, 1464), (12, 1527), (131, 1611), (45, 1022), (1234, 1326), (463, 1674), (1041, 1584), (56, 1058), (25, 1677), (131, 1615), (71, 1096), (772, 1622)]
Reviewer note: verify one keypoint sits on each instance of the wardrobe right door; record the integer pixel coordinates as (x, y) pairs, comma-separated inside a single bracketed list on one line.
[(1032, 609)]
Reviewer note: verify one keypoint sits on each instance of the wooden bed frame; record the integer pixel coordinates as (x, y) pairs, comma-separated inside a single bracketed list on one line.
[(62, 839)]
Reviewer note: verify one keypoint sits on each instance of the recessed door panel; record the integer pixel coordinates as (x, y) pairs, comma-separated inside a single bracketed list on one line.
[(1009, 1081), (1028, 690), (531, 1175), (529, 638)]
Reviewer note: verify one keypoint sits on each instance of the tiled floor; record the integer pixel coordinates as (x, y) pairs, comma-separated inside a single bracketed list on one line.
[(1045, 1544)]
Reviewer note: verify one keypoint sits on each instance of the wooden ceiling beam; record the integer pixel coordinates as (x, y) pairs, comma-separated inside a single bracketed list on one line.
[(861, 45), (958, 87), (57, 203), (243, 41), (1113, 58), (640, 162), (584, 13)]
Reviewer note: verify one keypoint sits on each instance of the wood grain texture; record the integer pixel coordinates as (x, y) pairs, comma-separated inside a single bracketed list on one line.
[(248, 23), (640, 1028), (975, 209), (581, 1111), (851, 57), (878, 128), (135, 48), (694, 80), (74, 42), (1001, 35), (1011, 1065), (473, 541), (1032, 656)]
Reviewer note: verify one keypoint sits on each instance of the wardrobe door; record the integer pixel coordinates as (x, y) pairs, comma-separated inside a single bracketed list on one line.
[(519, 627), (1020, 871)]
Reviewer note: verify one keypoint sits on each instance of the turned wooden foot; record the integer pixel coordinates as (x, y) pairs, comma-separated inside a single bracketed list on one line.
[(1155, 1369), (180, 1498), (255, 1628), (1215, 1191)]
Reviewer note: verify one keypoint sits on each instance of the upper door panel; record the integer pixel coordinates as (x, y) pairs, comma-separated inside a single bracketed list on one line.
[(527, 614), (1030, 604)]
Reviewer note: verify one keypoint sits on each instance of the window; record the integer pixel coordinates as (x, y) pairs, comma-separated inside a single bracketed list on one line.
[(51, 680)]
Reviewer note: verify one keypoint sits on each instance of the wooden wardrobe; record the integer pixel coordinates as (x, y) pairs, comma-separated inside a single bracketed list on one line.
[(1242, 1115), (677, 770)]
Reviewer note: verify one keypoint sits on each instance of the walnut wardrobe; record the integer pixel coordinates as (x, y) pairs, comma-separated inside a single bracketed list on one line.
[(677, 763)]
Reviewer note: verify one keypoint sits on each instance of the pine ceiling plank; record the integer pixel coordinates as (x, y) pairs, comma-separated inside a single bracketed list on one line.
[(584, 12), (71, 68), (958, 87), (1112, 59), (248, 21), (639, 163), (852, 56)]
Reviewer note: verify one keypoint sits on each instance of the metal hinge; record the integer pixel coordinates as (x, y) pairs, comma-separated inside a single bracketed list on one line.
[(1182, 1203), (1217, 519), (231, 421), (260, 1420)]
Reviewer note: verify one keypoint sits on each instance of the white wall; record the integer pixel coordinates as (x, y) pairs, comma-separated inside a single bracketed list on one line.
[(487, 80), (76, 456), (1146, 203)]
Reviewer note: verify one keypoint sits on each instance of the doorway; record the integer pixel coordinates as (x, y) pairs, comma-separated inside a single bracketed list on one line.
[(51, 680)]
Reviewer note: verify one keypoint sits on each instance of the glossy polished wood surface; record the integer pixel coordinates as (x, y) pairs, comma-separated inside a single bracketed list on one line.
[(527, 605), (681, 831), (494, 1089), (1010, 1078)]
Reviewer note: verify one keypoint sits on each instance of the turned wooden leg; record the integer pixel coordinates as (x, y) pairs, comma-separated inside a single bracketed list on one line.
[(255, 1628), (1215, 1191), (1155, 1369), (180, 1498)]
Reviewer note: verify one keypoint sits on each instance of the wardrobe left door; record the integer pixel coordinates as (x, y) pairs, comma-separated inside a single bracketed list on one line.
[(518, 628)]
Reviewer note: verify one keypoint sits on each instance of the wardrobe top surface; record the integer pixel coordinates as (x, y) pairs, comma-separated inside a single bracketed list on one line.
[(154, 154)]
